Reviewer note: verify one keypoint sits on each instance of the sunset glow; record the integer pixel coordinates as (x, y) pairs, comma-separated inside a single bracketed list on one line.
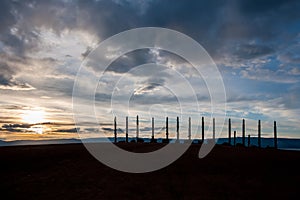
[(33, 116)]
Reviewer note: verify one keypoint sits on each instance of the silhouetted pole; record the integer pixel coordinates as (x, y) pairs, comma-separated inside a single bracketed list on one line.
[(137, 128), (202, 129), (177, 129), (167, 128), (115, 129), (275, 135), (229, 131), (234, 138), (214, 130), (152, 129), (248, 140), (243, 132), (127, 129), (190, 129), (259, 134)]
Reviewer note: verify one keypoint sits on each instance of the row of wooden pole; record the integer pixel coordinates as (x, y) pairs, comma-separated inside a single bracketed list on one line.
[(190, 131)]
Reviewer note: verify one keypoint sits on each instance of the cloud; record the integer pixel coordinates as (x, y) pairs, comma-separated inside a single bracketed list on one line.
[(250, 51), (268, 75), (147, 89), (212, 23), (11, 126), (16, 127), (146, 99), (6, 16), (295, 71), (86, 53), (150, 85), (14, 107), (291, 98), (8, 82), (256, 40), (103, 97), (119, 130), (130, 60), (71, 130), (92, 130), (290, 57)]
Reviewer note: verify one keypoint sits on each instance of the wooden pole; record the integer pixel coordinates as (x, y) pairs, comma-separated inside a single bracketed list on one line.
[(229, 131), (152, 129), (190, 131), (243, 132), (259, 134), (249, 141), (214, 130), (202, 129), (115, 129), (234, 138), (127, 129), (137, 128), (167, 128), (275, 135), (177, 129)]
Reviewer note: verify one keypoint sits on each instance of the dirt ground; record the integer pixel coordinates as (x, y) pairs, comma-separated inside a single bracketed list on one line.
[(68, 171)]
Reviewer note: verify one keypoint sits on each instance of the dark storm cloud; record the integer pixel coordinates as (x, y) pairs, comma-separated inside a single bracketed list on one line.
[(71, 130), (258, 6), (22, 21), (15, 127), (8, 82), (209, 21), (6, 17), (130, 60), (5, 76), (11, 65), (56, 15), (135, 58), (213, 23), (107, 17), (223, 27), (12, 126), (17, 39)]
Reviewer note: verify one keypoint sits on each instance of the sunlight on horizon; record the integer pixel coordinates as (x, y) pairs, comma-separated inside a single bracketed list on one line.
[(33, 116)]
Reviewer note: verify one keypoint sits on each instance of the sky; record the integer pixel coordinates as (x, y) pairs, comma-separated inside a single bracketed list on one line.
[(255, 45)]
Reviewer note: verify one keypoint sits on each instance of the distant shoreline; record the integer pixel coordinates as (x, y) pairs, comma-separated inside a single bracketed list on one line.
[(290, 149), (292, 144)]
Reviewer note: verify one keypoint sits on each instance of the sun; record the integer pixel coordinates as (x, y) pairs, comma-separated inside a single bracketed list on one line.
[(33, 116)]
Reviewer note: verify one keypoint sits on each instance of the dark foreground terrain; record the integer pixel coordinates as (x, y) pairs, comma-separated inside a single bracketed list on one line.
[(69, 172)]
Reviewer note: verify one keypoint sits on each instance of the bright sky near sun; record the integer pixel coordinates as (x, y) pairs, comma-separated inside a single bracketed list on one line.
[(255, 45)]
